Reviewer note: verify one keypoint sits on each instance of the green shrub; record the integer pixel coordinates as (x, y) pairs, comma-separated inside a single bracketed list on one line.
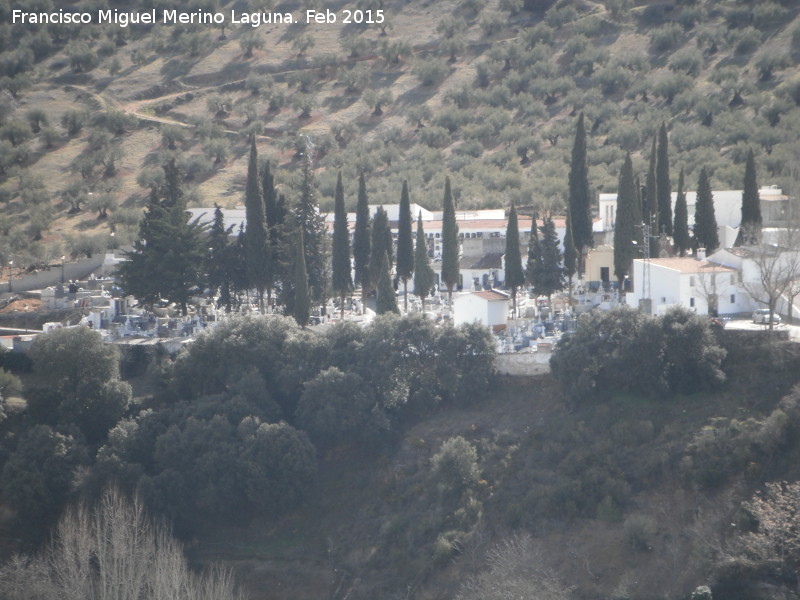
[(455, 466), (639, 531)]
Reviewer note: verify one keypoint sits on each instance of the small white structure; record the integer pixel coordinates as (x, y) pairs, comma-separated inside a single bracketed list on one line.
[(489, 308), (697, 284)]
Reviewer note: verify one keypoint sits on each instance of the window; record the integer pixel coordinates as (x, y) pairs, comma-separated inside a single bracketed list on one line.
[(733, 298), (691, 302), (733, 280), (691, 281)]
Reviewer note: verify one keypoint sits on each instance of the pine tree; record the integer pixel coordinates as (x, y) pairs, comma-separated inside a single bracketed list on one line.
[(450, 243), (219, 258), (663, 187), (386, 300), (361, 240), (533, 268), (705, 222), (552, 278), (312, 224), (625, 228), (381, 243), (750, 227), (257, 246), (168, 259), (423, 273), (301, 308), (579, 200), (340, 255), (680, 233), (405, 244), (513, 260), (570, 255)]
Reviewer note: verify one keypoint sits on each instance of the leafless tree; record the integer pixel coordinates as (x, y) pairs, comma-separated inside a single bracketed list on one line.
[(516, 569), (777, 266), (112, 552)]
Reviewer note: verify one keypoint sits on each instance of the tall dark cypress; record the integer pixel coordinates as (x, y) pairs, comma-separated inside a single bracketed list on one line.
[(308, 219), (513, 259), (533, 266), (257, 248), (650, 199), (663, 187), (301, 305), (750, 227), (570, 255), (705, 221), (386, 300), (405, 243), (381, 243), (680, 232), (275, 215), (423, 273), (361, 240), (340, 254), (580, 206), (450, 243), (625, 226), (219, 255)]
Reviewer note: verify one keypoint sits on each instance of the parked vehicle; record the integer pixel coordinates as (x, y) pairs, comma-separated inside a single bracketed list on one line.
[(761, 315)]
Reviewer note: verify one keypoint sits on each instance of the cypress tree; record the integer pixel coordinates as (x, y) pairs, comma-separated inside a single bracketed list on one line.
[(580, 206), (381, 244), (219, 255), (551, 279), (405, 244), (301, 307), (533, 267), (705, 222), (275, 214), (750, 227), (663, 187), (680, 233), (650, 201), (386, 300), (361, 240), (570, 255), (257, 248), (423, 273), (450, 243), (340, 259), (625, 227), (312, 224), (513, 260)]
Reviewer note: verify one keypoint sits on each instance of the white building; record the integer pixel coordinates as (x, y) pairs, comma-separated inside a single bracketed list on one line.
[(775, 207), (700, 285), (488, 308)]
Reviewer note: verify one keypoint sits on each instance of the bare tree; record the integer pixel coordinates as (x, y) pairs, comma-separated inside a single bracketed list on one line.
[(112, 552), (776, 267), (515, 570)]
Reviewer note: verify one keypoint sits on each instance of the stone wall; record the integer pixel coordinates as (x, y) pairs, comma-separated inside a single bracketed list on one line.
[(524, 364)]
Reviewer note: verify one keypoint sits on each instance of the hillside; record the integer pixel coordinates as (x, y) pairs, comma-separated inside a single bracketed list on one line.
[(487, 92), (627, 499)]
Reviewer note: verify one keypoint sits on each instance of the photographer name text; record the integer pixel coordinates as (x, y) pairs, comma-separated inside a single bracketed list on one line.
[(197, 17)]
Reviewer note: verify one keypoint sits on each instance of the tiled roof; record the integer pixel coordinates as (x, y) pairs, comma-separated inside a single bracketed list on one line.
[(492, 295)]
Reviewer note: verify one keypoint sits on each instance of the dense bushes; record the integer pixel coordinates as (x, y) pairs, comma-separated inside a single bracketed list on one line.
[(242, 415), (624, 350)]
